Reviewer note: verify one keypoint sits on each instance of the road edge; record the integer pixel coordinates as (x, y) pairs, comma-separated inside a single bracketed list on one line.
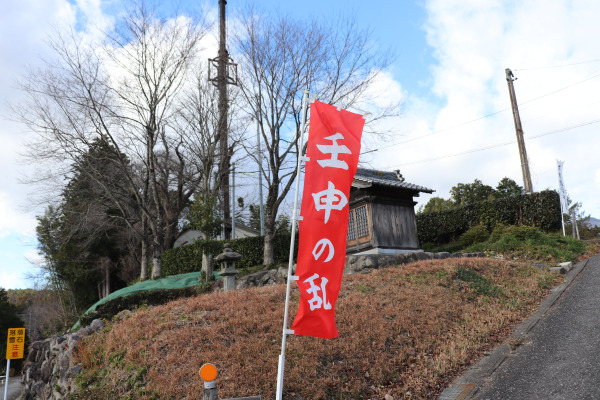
[(468, 384)]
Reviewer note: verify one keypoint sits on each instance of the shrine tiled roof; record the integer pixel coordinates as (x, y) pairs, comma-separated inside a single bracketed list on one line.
[(384, 178)]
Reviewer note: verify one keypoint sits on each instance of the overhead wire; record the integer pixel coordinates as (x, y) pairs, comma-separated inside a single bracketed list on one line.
[(552, 132), (436, 132), (557, 66), (483, 117), (560, 90)]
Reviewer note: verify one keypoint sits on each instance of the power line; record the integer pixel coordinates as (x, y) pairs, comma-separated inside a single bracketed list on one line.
[(568, 128), (435, 132), (558, 66), (561, 89), (552, 132), (483, 117), (459, 154)]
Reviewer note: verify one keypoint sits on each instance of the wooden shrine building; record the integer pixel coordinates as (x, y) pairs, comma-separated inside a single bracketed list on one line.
[(382, 213)]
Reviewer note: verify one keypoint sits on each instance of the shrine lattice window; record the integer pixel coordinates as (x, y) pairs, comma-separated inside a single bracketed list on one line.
[(358, 223)]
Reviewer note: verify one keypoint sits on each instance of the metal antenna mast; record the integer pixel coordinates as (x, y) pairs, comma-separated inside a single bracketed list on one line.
[(510, 78), (226, 75)]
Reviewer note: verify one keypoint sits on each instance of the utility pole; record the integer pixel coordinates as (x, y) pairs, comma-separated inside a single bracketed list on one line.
[(224, 65), (510, 78), (574, 225), (564, 207), (233, 202)]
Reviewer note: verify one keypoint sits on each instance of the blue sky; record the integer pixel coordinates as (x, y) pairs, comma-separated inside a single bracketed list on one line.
[(397, 25), (450, 57)]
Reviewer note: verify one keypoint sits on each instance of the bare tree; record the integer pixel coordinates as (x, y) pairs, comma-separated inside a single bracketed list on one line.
[(278, 58), (197, 126), (124, 90)]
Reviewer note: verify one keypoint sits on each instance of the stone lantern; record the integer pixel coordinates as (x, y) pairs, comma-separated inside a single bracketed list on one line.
[(227, 260)]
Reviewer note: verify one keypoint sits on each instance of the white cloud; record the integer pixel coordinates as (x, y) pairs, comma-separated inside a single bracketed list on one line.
[(10, 280), (16, 252), (25, 27), (34, 257), (91, 16), (14, 221), (473, 42)]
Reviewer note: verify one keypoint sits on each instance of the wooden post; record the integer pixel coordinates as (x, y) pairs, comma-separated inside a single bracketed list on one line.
[(521, 142), (107, 277), (208, 266)]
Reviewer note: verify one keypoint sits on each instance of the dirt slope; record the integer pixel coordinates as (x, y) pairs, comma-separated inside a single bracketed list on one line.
[(404, 332)]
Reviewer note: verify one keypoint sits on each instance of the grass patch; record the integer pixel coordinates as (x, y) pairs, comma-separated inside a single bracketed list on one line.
[(523, 242), (480, 284), (531, 243), (404, 331)]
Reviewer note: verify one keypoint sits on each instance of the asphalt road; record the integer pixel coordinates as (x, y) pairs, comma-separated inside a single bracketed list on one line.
[(560, 358), (14, 388)]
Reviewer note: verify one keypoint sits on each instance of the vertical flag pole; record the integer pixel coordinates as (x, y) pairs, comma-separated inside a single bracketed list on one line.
[(281, 365), (6, 381)]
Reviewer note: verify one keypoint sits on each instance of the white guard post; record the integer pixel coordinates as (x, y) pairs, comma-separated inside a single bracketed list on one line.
[(281, 365), (6, 381)]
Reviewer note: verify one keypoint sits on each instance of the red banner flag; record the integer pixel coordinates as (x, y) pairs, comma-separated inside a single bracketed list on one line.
[(332, 157)]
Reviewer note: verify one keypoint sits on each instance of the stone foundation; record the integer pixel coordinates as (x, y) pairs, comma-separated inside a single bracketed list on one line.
[(354, 264), (367, 262), (50, 370)]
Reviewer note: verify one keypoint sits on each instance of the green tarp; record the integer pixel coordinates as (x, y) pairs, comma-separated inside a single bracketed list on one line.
[(169, 282)]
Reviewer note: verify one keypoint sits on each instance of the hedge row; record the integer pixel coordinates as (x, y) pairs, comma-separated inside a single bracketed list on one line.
[(188, 258), (541, 210)]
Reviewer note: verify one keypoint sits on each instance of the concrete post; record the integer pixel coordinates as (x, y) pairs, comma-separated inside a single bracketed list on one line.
[(208, 266), (227, 261), (210, 394)]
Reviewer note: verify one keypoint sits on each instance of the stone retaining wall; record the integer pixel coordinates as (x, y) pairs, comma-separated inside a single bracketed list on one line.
[(367, 262), (50, 370), (354, 264)]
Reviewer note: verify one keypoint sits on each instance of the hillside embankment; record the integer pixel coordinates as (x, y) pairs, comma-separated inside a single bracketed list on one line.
[(405, 332)]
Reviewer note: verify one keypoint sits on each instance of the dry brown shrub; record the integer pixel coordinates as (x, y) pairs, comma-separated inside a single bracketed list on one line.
[(404, 331)]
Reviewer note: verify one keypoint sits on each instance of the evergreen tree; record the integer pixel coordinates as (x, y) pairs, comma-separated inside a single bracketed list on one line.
[(283, 225), (254, 216), (508, 187), (436, 204), (468, 193), (8, 319), (204, 216), (84, 238)]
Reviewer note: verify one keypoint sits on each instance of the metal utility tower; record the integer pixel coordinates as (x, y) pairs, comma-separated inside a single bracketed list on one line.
[(226, 75), (522, 152)]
